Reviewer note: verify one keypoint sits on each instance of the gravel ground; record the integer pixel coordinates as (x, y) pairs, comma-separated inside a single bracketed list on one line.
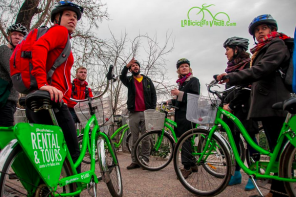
[(164, 183)]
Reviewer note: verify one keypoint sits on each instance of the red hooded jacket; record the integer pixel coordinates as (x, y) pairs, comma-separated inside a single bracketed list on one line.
[(79, 92), (46, 50)]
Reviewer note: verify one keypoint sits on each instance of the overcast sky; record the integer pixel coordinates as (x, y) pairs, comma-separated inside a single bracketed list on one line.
[(203, 46)]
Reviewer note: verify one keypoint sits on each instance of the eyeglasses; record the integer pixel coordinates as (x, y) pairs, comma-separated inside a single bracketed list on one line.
[(69, 3)]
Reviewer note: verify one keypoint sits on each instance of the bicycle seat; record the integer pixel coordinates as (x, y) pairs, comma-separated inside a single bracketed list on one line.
[(41, 99), (290, 105)]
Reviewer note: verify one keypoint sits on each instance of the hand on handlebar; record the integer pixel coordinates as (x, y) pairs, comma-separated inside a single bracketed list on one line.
[(222, 78), (55, 94)]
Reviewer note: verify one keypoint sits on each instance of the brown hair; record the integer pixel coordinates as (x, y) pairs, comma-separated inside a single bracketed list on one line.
[(81, 67), (179, 74)]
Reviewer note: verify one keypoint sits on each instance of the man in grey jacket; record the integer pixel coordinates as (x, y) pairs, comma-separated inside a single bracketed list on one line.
[(15, 33)]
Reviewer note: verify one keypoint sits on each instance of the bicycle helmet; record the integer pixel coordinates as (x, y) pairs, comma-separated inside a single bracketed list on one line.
[(262, 19), (66, 5), (182, 61), (17, 27), (237, 41)]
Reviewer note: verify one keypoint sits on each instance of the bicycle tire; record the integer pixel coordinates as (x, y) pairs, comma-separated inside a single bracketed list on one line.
[(11, 183), (110, 171), (208, 164), (288, 169), (128, 142), (158, 159), (201, 183)]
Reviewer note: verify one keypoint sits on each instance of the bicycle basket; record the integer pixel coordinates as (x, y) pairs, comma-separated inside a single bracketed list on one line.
[(154, 120), (20, 116), (201, 109)]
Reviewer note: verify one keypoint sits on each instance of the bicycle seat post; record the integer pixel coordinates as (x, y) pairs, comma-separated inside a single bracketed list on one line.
[(53, 117)]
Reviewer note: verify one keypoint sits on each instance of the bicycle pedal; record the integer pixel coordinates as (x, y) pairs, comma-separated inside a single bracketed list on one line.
[(100, 178), (12, 176)]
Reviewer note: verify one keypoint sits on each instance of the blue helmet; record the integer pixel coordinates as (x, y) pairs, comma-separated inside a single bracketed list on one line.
[(262, 19), (66, 5)]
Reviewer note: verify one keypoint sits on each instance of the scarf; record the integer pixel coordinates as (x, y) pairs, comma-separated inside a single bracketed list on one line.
[(264, 41), (237, 64), (180, 81)]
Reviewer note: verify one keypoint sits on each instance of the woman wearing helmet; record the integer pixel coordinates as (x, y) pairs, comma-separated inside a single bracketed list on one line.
[(237, 101), (187, 84), (269, 54), (15, 34), (46, 49)]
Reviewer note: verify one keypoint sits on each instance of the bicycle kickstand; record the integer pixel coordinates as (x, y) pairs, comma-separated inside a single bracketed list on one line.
[(254, 182)]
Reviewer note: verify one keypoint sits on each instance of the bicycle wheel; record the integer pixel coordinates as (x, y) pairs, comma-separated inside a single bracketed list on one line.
[(147, 154), (129, 142), (201, 182), (110, 171), (288, 168), (12, 184), (242, 149), (217, 155)]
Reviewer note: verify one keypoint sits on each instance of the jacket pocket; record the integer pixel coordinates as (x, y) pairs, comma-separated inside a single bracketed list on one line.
[(262, 90)]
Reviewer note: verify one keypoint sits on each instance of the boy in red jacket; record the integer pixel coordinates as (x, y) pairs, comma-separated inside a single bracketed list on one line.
[(80, 90)]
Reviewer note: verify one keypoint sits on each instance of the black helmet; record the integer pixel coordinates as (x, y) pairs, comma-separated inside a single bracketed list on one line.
[(237, 41), (17, 27), (262, 19), (182, 61), (66, 5)]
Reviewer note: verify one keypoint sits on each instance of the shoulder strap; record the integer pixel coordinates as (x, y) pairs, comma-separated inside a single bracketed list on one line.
[(61, 59), (41, 31), (86, 92), (73, 89)]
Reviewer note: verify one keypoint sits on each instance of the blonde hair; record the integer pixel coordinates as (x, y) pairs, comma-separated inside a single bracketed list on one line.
[(81, 67), (179, 74)]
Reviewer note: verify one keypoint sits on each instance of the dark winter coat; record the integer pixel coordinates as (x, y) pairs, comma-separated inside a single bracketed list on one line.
[(148, 87), (267, 85), (192, 86), (239, 103)]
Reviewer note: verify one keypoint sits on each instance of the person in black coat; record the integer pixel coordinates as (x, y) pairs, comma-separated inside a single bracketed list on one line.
[(268, 88), (187, 84), (237, 101)]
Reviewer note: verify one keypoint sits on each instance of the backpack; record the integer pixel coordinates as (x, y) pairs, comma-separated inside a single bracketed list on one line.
[(75, 92), (288, 71), (5, 88), (21, 62)]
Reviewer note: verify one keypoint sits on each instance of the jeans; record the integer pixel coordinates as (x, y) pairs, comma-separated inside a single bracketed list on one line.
[(6, 114)]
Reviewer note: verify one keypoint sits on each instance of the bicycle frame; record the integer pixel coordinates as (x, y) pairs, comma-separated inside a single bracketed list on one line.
[(122, 129), (33, 156), (272, 166)]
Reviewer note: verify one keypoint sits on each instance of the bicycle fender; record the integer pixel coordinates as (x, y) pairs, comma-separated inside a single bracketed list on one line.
[(6, 152)]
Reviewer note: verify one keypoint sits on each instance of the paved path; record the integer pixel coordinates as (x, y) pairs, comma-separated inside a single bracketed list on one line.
[(161, 183)]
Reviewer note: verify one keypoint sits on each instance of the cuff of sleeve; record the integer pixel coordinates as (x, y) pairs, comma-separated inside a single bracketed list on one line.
[(180, 96), (41, 84)]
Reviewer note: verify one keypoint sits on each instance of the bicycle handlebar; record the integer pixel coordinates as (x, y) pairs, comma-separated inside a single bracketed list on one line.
[(110, 76)]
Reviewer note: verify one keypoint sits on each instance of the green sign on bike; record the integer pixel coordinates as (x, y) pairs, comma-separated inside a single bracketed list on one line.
[(200, 17), (44, 145)]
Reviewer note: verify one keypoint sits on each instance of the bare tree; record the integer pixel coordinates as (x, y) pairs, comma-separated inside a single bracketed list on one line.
[(92, 52)]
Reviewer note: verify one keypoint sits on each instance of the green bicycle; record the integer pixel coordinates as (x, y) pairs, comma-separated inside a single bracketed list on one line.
[(35, 160), (222, 159), (119, 132)]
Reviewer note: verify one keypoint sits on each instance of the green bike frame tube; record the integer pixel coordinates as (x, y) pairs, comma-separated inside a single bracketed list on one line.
[(124, 128), (166, 124)]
